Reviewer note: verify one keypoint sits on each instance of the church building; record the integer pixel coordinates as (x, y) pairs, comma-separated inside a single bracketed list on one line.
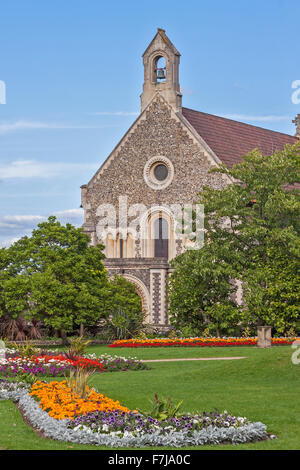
[(132, 203)]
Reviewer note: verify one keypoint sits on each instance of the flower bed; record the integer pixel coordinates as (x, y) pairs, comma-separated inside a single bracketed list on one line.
[(192, 342), (56, 365), (115, 363), (137, 424), (120, 428), (60, 402)]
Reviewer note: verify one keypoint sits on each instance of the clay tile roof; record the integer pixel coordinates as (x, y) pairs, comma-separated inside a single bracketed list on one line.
[(231, 140)]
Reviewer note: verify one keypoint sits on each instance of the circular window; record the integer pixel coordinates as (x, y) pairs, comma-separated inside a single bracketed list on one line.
[(158, 172)]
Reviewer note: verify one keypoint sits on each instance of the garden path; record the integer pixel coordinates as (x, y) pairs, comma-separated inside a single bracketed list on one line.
[(196, 359)]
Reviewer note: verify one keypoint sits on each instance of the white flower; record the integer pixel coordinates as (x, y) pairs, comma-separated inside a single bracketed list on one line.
[(241, 420)]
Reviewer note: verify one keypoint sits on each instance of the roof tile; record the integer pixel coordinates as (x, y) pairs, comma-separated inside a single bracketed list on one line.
[(231, 140)]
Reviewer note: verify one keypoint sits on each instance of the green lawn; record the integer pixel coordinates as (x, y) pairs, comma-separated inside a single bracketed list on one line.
[(264, 387)]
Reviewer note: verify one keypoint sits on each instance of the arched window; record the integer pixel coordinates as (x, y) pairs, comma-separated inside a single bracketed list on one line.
[(161, 238)]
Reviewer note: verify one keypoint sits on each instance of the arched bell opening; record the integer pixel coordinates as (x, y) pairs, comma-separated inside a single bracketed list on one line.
[(159, 69)]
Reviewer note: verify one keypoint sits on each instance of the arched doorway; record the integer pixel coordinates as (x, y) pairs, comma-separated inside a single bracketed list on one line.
[(142, 291)]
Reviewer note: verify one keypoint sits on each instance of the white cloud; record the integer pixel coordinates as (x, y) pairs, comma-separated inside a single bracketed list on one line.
[(14, 227), (7, 225), (23, 218), (10, 223), (114, 113), (21, 125), (18, 225), (33, 169), (70, 213), (245, 117), (8, 242)]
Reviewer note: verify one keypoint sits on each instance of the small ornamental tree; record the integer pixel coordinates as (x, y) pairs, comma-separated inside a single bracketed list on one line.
[(54, 276)]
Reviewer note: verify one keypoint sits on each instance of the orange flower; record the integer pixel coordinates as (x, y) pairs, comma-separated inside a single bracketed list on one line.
[(135, 343), (57, 399)]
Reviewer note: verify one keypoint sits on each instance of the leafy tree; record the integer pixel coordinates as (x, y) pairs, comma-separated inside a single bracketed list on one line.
[(252, 229), (272, 291), (200, 291), (53, 276), (123, 308), (257, 211)]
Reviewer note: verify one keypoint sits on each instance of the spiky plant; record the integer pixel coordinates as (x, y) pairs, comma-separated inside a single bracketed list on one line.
[(26, 350), (78, 346), (78, 381)]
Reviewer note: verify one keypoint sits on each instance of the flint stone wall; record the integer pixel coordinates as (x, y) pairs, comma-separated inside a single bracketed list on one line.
[(156, 133)]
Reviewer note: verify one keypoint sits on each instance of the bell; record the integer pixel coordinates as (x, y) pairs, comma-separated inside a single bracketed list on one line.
[(160, 74)]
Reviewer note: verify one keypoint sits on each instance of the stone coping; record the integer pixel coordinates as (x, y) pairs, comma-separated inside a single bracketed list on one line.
[(137, 262)]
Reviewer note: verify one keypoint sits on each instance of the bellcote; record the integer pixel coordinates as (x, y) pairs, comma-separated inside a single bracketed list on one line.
[(161, 71)]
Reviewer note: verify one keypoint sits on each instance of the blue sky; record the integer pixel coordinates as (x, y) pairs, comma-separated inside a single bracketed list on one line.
[(73, 73)]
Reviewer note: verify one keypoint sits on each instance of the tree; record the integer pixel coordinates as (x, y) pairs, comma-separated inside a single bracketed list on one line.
[(53, 276), (272, 291), (253, 224), (200, 293), (123, 308), (252, 232)]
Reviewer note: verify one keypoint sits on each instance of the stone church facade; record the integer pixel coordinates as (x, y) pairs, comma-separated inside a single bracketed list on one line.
[(133, 203)]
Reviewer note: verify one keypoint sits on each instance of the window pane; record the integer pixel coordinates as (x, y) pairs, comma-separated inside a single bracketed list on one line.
[(161, 172), (161, 242)]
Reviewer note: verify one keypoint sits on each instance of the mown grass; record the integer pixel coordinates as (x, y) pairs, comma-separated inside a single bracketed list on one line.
[(264, 386)]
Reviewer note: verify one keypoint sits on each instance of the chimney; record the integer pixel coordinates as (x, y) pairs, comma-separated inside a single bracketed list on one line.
[(296, 121)]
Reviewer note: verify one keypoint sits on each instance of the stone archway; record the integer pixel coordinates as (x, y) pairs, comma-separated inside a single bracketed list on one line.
[(142, 291)]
